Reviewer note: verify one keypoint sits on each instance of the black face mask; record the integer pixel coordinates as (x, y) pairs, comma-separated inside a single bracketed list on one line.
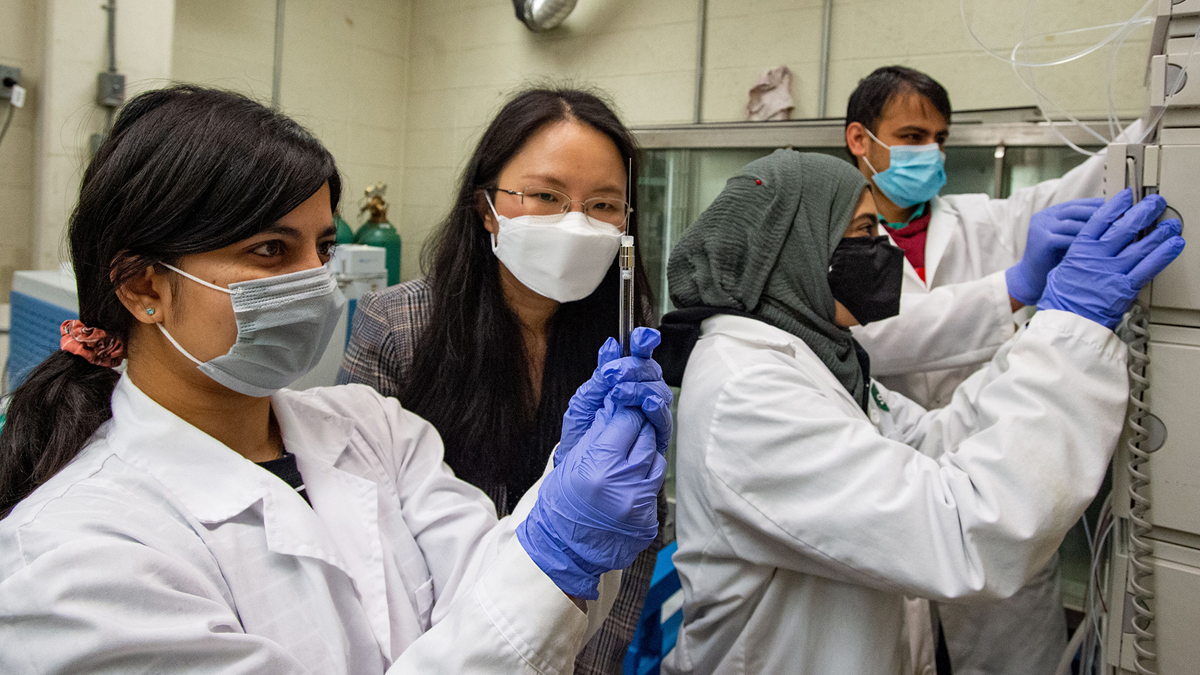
[(866, 275)]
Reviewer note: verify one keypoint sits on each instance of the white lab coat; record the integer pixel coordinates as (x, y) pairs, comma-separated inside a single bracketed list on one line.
[(950, 326), (803, 521), (158, 549)]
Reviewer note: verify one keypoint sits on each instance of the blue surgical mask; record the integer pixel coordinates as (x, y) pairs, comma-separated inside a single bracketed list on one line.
[(915, 174)]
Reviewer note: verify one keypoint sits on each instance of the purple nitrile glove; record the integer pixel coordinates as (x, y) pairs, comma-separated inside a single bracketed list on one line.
[(598, 509), (1107, 265), (1051, 232), (642, 377)]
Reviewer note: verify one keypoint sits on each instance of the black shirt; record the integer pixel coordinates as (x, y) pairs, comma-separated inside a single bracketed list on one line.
[(287, 471)]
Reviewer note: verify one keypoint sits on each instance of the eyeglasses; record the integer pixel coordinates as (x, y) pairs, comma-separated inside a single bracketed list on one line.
[(538, 201)]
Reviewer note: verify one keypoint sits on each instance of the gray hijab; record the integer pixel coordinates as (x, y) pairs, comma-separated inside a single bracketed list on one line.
[(764, 248)]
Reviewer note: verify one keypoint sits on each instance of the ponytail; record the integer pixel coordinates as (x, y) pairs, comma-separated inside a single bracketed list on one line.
[(184, 170), (51, 416)]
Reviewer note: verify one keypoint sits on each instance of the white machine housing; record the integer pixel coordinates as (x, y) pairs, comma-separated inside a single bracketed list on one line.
[(359, 270), (1167, 162)]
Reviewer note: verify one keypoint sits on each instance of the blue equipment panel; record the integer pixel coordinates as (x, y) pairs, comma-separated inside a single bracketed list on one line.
[(33, 334), (656, 634)]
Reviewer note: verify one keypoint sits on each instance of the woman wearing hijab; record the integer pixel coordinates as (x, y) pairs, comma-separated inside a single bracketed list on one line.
[(811, 499)]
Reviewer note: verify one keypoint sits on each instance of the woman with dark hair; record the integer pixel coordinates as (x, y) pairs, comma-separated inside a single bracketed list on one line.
[(521, 290), (812, 500), (191, 515)]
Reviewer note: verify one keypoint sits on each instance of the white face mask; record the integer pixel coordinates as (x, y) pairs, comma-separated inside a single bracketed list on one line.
[(284, 323), (563, 258)]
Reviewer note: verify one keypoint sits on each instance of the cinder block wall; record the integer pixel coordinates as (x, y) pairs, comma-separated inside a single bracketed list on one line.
[(20, 46), (345, 74), (400, 89), (466, 55)]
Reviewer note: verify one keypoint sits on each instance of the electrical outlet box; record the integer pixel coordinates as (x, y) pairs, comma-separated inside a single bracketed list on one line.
[(110, 89), (8, 77)]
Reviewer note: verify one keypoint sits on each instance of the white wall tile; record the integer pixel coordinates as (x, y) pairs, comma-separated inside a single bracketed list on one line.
[(643, 54), (344, 76), (403, 88), (73, 36), (21, 45)]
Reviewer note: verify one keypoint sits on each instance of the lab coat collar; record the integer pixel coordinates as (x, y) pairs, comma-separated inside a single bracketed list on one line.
[(212, 481), (762, 333), (937, 237), (319, 437), (910, 272), (313, 432), (215, 483)]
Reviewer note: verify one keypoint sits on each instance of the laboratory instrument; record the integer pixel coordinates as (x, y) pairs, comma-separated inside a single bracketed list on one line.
[(40, 301), (359, 270), (1150, 586)]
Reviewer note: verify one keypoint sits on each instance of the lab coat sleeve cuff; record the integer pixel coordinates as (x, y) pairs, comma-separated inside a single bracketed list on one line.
[(998, 288), (1055, 323), (541, 623), (610, 582)]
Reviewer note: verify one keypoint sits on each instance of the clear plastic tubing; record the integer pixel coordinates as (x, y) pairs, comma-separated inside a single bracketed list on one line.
[(627, 303)]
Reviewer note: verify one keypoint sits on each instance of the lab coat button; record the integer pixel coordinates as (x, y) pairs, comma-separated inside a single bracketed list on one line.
[(874, 415)]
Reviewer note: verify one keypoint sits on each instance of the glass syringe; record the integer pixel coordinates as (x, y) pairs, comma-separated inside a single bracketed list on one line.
[(626, 305)]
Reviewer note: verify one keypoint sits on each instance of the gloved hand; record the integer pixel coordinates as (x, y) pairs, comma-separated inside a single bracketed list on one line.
[(1105, 267), (1051, 231), (642, 378), (599, 508)]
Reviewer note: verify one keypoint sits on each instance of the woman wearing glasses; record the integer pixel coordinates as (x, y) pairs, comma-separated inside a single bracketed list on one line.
[(191, 514), (521, 289)]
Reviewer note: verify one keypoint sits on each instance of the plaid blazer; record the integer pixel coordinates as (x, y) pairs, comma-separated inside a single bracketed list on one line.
[(386, 327)]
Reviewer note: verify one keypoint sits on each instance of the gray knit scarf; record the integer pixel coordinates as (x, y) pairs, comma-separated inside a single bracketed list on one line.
[(764, 247)]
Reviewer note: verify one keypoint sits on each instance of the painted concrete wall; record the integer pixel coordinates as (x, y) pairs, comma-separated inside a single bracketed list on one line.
[(467, 55), (345, 73), (20, 46), (400, 89), (73, 52)]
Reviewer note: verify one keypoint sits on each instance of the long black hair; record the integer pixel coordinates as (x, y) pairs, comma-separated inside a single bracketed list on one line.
[(185, 170), (470, 374)]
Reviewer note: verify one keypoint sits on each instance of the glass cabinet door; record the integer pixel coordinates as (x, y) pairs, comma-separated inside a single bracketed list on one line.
[(676, 185)]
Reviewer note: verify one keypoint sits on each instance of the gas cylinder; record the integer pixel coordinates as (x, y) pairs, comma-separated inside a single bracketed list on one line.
[(377, 231), (345, 235)]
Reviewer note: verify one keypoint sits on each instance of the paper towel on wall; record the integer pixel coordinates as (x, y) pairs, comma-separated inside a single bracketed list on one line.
[(771, 96)]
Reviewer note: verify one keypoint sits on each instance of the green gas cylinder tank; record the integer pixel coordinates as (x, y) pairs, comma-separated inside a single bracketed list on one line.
[(384, 236), (345, 235), (377, 231)]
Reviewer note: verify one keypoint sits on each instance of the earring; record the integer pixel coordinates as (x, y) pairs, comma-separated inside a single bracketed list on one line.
[(150, 311)]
